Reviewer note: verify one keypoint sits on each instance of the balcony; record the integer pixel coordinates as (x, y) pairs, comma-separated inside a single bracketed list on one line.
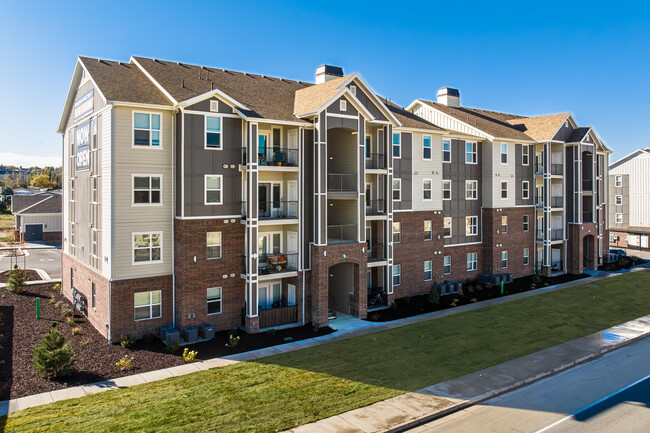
[(274, 157), (556, 266), (278, 316), (375, 161), (341, 182), (540, 235), (539, 169), (271, 264), (278, 209), (377, 298), (587, 216), (587, 185), (539, 201), (341, 233), (557, 201), (376, 253), (556, 169), (376, 207), (557, 234)]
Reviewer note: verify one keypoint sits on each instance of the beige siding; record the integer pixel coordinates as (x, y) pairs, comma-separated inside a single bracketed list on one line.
[(494, 173), (427, 169), (637, 170), (51, 223), (105, 255)]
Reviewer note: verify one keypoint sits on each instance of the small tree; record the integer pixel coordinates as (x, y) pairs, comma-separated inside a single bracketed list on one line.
[(41, 181), (54, 356), (16, 281)]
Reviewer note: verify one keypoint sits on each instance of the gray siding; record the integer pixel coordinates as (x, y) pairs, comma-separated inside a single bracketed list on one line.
[(522, 173), (625, 207), (369, 104), (205, 106), (403, 169)]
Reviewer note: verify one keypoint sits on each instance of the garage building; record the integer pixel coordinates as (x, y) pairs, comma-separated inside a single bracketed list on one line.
[(38, 217)]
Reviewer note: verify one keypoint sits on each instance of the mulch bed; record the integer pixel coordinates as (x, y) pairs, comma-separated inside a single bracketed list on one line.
[(474, 292), (94, 358), (625, 262), (31, 274)]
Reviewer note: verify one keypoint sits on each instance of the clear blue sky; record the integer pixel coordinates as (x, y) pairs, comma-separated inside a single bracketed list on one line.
[(592, 59)]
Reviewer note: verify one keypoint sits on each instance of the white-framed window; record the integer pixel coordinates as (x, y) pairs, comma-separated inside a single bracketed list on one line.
[(612, 238), (471, 190), (504, 189), (397, 275), (214, 300), (146, 129), (367, 146), (397, 189), (472, 262), (397, 232), (72, 190), (618, 180), (94, 196), (147, 247), (526, 256), (397, 145), (73, 229), (213, 245), (94, 251), (504, 224), (446, 189), (470, 152), (353, 90), (446, 224), (343, 105), (427, 189), (428, 230), (213, 132), (446, 265), (504, 259), (526, 223), (525, 189), (504, 153), (214, 106), (618, 218), (147, 189), (619, 200), (446, 150), (471, 226), (426, 147), (428, 270), (525, 155), (213, 189), (147, 305)]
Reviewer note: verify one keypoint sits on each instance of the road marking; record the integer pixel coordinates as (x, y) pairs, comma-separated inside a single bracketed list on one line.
[(591, 405)]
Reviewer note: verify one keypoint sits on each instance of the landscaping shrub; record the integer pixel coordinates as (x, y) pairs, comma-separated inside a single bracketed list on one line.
[(233, 340), (126, 342), (434, 297), (70, 322), (189, 355), (54, 356), (56, 287), (125, 363), (16, 281), (75, 331), (174, 347), (52, 299)]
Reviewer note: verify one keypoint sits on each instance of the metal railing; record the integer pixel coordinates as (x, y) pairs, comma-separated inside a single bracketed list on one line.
[(540, 235), (587, 184), (341, 182), (587, 217), (539, 201), (341, 233), (277, 263), (375, 161), (556, 169), (273, 156), (376, 207), (376, 253), (539, 169), (278, 209), (557, 201), (557, 234)]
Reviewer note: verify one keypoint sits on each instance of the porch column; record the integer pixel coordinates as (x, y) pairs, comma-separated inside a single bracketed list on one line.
[(251, 259)]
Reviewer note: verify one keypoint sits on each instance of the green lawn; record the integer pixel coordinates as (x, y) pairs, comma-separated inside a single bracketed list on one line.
[(286, 390)]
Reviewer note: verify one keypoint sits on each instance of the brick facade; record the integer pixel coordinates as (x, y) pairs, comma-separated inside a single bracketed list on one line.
[(514, 241), (578, 235), (52, 238)]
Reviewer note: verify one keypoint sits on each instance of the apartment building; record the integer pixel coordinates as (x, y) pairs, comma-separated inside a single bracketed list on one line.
[(629, 198), (197, 195)]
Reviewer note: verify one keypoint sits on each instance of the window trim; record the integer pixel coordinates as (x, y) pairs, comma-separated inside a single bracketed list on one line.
[(353, 89), (214, 109), (367, 144), (504, 225), (207, 301), (618, 220), (525, 154), (507, 260), (133, 176), (398, 145), (446, 151), (205, 132), (398, 275), (430, 147), (444, 266), (160, 137), (474, 262), (446, 181), (526, 256), (616, 200), (471, 218), (617, 178), (94, 189), (424, 181), (473, 152), (220, 245), (430, 262), (502, 190), (501, 153), (94, 243), (451, 227), (150, 305), (205, 189), (343, 105), (475, 190), (526, 223), (150, 262), (526, 190), (393, 232), (430, 231), (399, 180)]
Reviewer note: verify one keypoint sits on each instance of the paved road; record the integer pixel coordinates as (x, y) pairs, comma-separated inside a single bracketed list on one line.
[(48, 260), (593, 397)]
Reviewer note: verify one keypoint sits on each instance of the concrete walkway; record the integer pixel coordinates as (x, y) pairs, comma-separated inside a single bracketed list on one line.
[(346, 327)]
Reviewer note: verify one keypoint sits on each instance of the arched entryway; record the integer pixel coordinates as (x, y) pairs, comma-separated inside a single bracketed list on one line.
[(588, 252), (341, 287)]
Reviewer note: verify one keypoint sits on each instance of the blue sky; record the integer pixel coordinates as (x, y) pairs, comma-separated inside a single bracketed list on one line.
[(589, 58)]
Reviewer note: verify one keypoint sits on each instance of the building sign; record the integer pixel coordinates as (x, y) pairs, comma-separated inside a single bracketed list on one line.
[(82, 141), (84, 106)]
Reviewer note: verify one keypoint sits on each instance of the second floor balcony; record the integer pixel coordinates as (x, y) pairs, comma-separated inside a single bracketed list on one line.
[(339, 182), (376, 207), (274, 157), (273, 263), (557, 201), (376, 253), (375, 161), (341, 233), (557, 234), (280, 209)]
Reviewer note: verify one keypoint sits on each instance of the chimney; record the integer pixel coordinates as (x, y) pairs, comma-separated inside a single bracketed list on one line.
[(449, 96), (327, 72)]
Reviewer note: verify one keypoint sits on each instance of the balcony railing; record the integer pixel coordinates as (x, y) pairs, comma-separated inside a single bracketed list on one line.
[(376, 253), (277, 263), (376, 207), (278, 209), (557, 234), (587, 184), (341, 233), (375, 161), (539, 169), (556, 265), (587, 217), (556, 169), (557, 201), (539, 201), (274, 156), (278, 316), (341, 182), (540, 235)]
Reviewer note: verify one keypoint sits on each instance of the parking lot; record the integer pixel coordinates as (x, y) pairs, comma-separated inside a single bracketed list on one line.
[(46, 259)]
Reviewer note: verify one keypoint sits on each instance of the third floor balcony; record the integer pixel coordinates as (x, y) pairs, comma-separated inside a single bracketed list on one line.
[(338, 182), (375, 161)]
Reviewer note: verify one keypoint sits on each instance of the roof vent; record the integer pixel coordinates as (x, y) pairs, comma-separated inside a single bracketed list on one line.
[(327, 72), (449, 96)]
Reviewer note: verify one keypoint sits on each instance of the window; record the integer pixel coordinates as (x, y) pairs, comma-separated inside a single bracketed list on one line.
[(213, 189), (446, 268), (618, 218), (397, 145), (471, 189), (525, 190), (93, 295), (72, 277), (397, 232), (94, 251), (447, 227), (472, 261), (214, 300), (428, 230), (397, 275), (367, 148), (214, 105), (427, 189), (147, 247), (504, 259), (94, 196), (618, 180), (619, 199), (524, 154), (428, 270), (526, 223), (146, 190), (397, 189), (426, 147), (148, 305), (343, 105), (471, 225), (504, 224), (470, 152), (504, 190), (446, 189), (526, 256), (72, 190), (504, 153), (212, 132), (94, 134), (213, 241), (353, 90), (146, 129), (446, 151)]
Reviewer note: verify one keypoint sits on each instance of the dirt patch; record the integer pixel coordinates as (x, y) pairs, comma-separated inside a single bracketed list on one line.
[(31, 275), (94, 358)]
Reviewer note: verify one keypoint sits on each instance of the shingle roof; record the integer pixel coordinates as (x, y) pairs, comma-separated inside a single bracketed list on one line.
[(578, 134), (311, 98), (36, 203), (123, 82), (408, 119), (540, 128)]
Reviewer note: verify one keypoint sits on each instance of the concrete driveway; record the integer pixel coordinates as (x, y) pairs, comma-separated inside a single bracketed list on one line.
[(46, 259)]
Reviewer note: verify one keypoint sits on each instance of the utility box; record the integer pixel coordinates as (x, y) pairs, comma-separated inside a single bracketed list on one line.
[(190, 335), (164, 330), (206, 332), (172, 336)]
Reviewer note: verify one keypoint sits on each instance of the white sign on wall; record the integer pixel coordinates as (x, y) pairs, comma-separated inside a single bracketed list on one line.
[(84, 106), (82, 140)]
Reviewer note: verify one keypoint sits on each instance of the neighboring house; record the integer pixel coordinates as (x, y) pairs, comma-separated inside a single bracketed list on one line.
[(629, 198), (38, 217), (198, 195)]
